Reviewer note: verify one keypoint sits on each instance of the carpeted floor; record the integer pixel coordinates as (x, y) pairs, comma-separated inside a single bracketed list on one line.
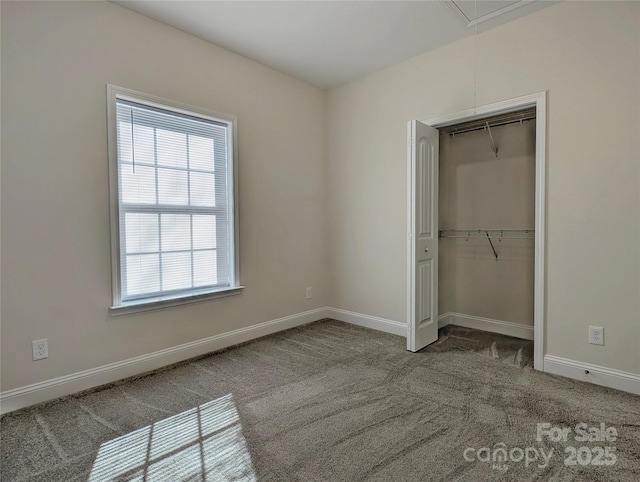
[(331, 401)]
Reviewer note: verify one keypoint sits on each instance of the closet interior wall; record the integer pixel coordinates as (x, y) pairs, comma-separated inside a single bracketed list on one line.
[(481, 191)]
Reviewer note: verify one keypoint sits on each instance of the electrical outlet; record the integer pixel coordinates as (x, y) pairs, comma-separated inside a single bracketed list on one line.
[(40, 349), (596, 335), (309, 293)]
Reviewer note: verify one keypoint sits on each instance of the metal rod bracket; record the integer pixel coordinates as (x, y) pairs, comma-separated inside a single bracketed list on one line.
[(491, 243), (493, 144)]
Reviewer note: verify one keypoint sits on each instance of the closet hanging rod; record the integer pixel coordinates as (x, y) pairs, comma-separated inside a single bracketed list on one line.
[(493, 233), (495, 121)]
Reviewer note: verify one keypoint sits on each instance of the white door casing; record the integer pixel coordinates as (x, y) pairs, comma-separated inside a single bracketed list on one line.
[(423, 155), (539, 101)]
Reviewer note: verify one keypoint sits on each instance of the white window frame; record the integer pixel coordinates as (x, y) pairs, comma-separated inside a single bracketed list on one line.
[(119, 307)]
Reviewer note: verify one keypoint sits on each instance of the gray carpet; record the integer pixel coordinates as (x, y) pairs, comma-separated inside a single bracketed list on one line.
[(331, 401)]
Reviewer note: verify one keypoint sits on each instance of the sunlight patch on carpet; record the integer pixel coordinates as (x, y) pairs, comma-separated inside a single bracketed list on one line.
[(203, 443)]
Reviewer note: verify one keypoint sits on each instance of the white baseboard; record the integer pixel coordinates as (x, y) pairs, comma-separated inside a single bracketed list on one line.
[(607, 377), (487, 324), (444, 320), (367, 321), (66, 385)]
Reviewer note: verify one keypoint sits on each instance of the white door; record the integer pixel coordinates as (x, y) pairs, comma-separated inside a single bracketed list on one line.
[(422, 326)]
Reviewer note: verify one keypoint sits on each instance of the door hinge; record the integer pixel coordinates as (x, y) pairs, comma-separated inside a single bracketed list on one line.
[(411, 141), (410, 236)]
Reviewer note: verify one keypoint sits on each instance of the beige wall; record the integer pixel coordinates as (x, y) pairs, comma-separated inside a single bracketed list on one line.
[(479, 190), (56, 61), (321, 207), (586, 55)]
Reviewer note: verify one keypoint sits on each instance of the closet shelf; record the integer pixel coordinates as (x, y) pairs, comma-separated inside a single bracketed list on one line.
[(493, 233), (498, 234)]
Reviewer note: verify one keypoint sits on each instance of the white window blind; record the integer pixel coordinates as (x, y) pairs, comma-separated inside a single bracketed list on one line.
[(175, 203)]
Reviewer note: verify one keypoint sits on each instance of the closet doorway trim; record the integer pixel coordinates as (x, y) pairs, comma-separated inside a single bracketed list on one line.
[(539, 101)]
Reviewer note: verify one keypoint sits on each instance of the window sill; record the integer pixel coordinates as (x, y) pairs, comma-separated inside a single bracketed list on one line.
[(156, 304)]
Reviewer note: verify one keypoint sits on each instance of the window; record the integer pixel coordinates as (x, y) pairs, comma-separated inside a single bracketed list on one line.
[(173, 196)]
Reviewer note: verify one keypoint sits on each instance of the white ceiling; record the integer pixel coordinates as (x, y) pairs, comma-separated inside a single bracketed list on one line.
[(327, 43)]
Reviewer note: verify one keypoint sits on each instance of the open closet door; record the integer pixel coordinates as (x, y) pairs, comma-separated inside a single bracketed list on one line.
[(422, 326)]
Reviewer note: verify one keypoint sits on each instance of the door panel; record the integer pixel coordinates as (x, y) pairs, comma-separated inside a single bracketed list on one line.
[(423, 181), (422, 326), (425, 279)]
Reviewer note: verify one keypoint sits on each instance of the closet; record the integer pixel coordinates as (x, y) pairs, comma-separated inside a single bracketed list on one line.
[(487, 184)]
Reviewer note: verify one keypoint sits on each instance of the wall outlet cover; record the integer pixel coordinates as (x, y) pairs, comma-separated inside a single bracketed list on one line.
[(40, 349), (596, 335)]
